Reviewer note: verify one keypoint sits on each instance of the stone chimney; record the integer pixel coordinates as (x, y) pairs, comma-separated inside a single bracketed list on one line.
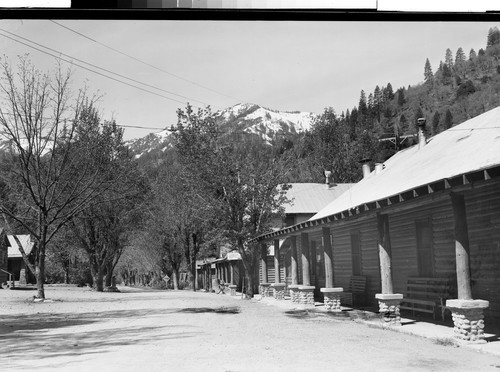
[(365, 166), (421, 133)]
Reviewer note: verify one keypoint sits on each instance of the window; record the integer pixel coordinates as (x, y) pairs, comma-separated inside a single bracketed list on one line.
[(356, 253), (425, 259)]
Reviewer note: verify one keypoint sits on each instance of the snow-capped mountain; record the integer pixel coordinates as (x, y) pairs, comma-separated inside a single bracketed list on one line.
[(247, 118)]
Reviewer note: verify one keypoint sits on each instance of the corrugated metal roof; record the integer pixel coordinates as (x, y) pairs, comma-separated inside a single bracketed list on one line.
[(312, 197), (471, 146), (13, 249)]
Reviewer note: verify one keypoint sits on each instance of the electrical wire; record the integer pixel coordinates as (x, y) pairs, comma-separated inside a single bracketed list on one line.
[(95, 66), (145, 63)]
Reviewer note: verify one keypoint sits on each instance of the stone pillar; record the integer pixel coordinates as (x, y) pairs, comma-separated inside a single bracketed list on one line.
[(263, 260), (332, 298), (264, 289), (468, 319), (306, 295), (328, 254), (278, 290), (389, 308), (277, 278), (232, 289), (467, 313), (306, 273), (294, 263), (294, 292)]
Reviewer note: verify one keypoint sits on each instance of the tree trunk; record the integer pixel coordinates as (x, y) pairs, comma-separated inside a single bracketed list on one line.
[(175, 279), (97, 276), (40, 271), (109, 275), (193, 273), (40, 278)]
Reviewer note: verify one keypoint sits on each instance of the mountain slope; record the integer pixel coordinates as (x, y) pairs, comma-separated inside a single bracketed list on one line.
[(246, 118)]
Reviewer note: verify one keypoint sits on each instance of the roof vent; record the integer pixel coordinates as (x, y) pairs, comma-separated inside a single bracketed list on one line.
[(421, 133), (365, 166), (378, 167), (329, 179)]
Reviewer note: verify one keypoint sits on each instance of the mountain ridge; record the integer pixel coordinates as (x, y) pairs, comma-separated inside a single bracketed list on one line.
[(243, 117)]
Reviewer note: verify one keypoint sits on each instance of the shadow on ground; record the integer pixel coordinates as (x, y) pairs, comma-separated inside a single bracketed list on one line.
[(49, 335), (218, 310)]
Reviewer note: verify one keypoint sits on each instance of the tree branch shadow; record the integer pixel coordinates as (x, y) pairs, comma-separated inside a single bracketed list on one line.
[(43, 336)]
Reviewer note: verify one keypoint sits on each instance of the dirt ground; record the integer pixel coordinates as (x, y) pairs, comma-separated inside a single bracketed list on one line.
[(147, 330)]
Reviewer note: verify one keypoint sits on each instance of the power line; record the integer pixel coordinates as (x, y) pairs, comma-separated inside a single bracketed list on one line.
[(145, 63), (95, 66)]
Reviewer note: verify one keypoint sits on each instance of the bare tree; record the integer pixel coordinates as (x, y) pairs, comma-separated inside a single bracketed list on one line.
[(48, 181)]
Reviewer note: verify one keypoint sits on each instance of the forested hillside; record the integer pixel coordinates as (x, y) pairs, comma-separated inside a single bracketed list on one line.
[(461, 87)]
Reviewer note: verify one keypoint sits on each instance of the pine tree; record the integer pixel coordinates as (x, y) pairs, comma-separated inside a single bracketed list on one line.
[(388, 93), (401, 97), (428, 75), (448, 58), (435, 122), (472, 54), (362, 107), (448, 120), (493, 37), (459, 56)]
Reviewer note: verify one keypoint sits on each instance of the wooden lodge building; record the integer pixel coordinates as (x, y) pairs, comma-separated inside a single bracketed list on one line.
[(422, 228), (306, 200)]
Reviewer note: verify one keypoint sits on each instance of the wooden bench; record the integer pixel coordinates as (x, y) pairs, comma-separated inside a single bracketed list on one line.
[(426, 295), (357, 289)]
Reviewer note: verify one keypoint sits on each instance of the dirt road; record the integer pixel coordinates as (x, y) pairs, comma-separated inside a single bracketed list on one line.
[(138, 330)]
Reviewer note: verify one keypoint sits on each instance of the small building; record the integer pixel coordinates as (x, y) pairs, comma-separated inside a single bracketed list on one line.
[(16, 264), (430, 211)]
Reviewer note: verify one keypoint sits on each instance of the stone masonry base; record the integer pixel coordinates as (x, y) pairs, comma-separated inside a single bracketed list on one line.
[(332, 298), (294, 293), (278, 290), (232, 288), (306, 295), (468, 319), (264, 289), (389, 308)]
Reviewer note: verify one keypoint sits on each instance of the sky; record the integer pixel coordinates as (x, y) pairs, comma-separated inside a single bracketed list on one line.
[(281, 65)]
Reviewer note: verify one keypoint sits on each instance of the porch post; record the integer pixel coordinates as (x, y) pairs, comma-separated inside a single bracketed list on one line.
[(294, 287), (295, 267), (467, 313), (388, 301), (328, 254), (264, 285), (306, 290), (331, 295), (231, 268), (278, 287), (277, 261), (304, 247)]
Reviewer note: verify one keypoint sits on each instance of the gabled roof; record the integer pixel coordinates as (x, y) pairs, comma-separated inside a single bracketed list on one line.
[(312, 197), (13, 250), (471, 146)]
